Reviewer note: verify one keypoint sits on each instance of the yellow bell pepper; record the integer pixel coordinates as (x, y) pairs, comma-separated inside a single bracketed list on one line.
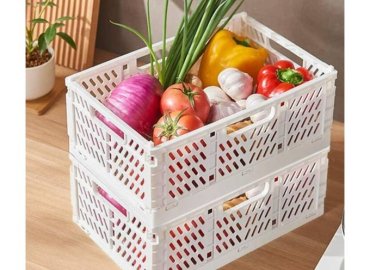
[(226, 50)]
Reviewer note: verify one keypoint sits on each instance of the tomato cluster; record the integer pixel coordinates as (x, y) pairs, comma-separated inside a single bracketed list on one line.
[(185, 107)]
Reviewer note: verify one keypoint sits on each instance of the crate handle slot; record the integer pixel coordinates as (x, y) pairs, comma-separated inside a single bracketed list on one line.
[(112, 201), (253, 198), (230, 129)]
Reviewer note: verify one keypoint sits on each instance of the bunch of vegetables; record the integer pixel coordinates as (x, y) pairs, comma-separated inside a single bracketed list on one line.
[(232, 76), (182, 103), (185, 107)]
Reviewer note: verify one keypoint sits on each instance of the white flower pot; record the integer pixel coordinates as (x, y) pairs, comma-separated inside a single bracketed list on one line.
[(40, 80)]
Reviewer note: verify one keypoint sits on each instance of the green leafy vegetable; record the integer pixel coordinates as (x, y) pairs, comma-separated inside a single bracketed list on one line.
[(192, 36)]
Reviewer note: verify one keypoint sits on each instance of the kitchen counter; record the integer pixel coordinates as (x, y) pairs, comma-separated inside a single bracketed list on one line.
[(54, 242)]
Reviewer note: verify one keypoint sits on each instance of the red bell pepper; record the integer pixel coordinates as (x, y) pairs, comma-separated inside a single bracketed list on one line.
[(280, 77)]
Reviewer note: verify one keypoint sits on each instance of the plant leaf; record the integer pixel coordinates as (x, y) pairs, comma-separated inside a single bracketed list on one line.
[(42, 43), (48, 3), (29, 35), (58, 25), (40, 20), (67, 39), (50, 33), (64, 18)]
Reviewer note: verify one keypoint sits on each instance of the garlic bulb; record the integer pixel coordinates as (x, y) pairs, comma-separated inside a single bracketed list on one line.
[(238, 85), (253, 101), (222, 109), (216, 95)]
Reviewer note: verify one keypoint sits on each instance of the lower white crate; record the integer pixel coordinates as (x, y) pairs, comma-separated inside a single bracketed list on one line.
[(210, 236)]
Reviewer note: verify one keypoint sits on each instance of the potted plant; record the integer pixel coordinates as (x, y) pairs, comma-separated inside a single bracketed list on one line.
[(40, 58)]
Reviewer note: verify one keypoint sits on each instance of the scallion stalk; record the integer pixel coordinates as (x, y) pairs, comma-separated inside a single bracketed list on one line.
[(184, 36), (146, 42), (194, 32), (164, 37), (149, 29)]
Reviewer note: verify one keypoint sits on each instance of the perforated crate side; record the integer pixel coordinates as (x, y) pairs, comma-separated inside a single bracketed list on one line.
[(303, 189), (126, 160), (299, 118), (123, 236)]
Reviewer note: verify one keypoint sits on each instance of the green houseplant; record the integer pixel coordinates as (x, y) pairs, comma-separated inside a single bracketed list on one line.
[(40, 59)]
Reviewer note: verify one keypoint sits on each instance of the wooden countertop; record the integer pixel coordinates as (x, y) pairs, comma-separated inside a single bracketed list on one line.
[(54, 242)]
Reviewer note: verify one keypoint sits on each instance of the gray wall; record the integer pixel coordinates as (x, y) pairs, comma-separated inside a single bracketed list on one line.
[(316, 25)]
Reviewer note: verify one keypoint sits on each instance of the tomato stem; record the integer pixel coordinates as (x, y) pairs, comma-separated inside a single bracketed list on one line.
[(170, 126)]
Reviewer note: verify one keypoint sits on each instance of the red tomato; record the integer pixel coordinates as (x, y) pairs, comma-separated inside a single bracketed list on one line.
[(284, 64), (174, 124), (281, 88), (188, 97), (307, 75)]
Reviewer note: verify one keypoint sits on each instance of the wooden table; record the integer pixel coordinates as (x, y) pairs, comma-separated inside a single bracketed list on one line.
[(54, 242)]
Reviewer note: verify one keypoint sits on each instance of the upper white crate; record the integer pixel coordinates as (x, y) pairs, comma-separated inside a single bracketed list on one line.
[(161, 177)]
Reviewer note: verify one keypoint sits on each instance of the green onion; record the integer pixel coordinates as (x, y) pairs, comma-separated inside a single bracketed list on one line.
[(149, 29), (164, 38), (191, 39), (186, 18), (146, 42), (196, 39)]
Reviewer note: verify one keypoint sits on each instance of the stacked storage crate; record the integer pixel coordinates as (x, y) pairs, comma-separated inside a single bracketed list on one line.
[(178, 205)]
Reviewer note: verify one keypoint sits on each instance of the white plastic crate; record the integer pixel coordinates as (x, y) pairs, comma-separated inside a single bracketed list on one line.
[(160, 178), (209, 236)]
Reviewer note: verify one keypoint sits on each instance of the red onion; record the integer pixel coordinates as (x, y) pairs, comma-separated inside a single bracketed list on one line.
[(136, 101)]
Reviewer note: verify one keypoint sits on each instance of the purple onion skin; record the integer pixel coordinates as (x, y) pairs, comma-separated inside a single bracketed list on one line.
[(136, 101)]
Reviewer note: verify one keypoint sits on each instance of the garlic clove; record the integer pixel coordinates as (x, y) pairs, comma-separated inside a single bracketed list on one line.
[(237, 84), (253, 101), (242, 103), (216, 95)]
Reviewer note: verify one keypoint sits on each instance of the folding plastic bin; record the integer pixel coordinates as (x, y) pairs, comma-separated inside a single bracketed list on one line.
[(209, 236), (166, 208), (170, 175)]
